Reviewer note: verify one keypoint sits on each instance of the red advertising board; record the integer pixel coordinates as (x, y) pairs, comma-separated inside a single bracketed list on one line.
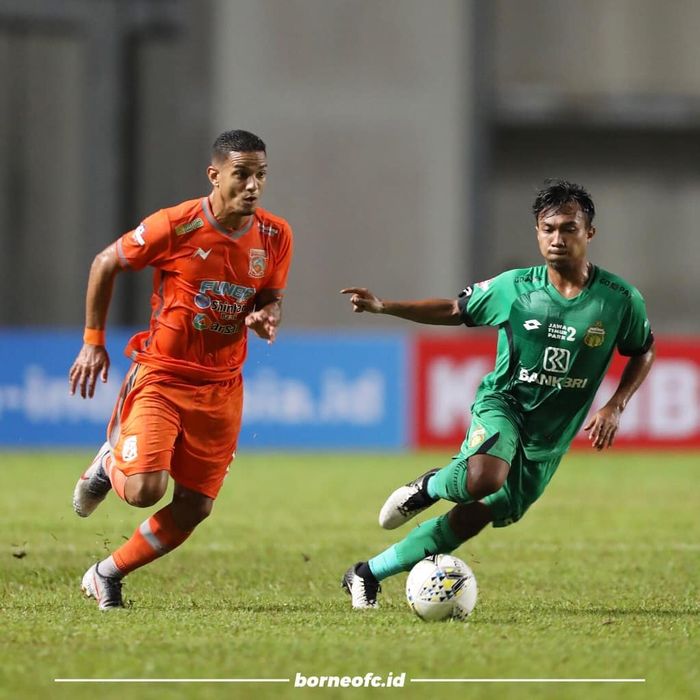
[(665, 412)]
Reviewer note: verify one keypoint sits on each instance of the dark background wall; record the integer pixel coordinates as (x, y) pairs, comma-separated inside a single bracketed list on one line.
[(405, 144)]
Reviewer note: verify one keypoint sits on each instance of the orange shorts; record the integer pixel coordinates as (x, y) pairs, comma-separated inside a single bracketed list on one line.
[(163, 422)]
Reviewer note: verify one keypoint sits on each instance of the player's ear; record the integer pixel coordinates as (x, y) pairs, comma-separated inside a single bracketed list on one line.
[(213, 175), (591, 232)]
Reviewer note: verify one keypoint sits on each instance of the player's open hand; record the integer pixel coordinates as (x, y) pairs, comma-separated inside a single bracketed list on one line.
[(363, 300), (92, 362), (264, 322), (603, 427)]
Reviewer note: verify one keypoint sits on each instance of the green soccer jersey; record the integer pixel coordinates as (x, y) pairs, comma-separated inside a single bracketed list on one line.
[(553, 352)]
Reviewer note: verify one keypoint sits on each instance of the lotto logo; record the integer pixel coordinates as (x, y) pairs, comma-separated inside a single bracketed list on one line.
[(556, 360), (532, 324)]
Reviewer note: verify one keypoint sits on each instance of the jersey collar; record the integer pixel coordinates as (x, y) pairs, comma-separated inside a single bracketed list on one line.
[(555, 294), (232, 235)]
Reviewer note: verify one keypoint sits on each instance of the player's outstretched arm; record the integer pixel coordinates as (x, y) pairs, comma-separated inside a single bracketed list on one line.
[(439, 312), (604, 423), (93, 360)]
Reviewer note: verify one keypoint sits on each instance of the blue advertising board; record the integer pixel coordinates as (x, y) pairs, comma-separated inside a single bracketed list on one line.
[(316, 390), (306, 391)]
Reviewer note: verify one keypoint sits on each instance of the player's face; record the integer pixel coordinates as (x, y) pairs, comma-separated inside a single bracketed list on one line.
[(240, 181), (563, 236)]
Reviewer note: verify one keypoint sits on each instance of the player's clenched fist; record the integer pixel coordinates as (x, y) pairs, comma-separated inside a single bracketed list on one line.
[(363, 300)]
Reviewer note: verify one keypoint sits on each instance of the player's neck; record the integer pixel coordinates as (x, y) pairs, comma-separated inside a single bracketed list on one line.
[(233, 222), (570, 281)]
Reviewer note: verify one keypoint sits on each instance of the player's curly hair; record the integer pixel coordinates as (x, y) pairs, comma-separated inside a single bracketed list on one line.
[(236, 140), (557, 193)]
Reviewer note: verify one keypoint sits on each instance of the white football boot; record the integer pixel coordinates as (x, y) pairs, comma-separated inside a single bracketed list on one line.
[(106, 590), (406, 502), (93, 485), (362, 590)]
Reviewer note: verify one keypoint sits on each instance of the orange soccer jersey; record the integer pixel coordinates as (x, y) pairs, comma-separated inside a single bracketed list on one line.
[(205, 283)]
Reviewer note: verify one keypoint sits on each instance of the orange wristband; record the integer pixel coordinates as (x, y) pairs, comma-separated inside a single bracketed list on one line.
[(94, 336)]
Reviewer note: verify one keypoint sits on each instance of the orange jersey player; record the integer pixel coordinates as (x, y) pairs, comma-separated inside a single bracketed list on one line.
[(221, 265), (208, 279)]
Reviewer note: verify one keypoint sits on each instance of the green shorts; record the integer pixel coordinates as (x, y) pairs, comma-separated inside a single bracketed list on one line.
[(493, 432)]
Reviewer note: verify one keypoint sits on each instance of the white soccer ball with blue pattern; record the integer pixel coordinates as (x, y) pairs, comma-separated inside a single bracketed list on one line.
[(441, 587)]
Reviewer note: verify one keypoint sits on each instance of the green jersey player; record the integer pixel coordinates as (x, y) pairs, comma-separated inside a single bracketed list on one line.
[(558, 327)]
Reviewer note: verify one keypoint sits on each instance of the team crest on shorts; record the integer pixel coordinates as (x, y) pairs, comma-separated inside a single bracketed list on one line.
[(595, 335), (129, 449), (476, 437), (258, 262)]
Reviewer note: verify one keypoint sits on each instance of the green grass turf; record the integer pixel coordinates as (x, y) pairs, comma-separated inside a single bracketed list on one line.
[(600, 580)]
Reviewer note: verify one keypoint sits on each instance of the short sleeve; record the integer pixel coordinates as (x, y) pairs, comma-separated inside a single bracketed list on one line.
[(487, 303), (147, 244), (282, 262), (635, 336)]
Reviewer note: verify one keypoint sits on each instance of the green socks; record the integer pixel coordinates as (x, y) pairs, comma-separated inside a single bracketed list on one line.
[(431, 537), (450, 483)]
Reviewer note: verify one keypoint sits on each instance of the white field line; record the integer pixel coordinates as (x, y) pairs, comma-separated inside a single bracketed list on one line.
[(412, 680), (171, 680), (528, 680)]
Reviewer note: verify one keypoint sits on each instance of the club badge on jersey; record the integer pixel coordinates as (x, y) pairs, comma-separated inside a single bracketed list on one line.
[(258, 262), (595, 335)]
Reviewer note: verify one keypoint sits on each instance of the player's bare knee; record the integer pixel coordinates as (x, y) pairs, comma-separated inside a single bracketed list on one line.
[(145, 490), (190, 508), (485, 476), (145, 497), (189, 518), (481, 488), (201, 511)]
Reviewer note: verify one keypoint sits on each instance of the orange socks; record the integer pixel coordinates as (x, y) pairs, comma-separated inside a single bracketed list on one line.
[(152, 539)]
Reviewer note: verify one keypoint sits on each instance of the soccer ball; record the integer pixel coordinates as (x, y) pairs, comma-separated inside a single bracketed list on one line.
[(441, 587)]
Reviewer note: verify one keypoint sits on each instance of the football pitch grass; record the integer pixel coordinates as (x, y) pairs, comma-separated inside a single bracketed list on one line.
[(599, 581)]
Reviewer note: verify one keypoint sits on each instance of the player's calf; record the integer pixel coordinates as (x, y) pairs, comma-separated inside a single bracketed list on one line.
[(468, 519), (190, 508)]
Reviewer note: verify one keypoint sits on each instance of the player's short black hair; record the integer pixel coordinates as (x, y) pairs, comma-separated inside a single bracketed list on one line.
[(557, 193), (236, 140)]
